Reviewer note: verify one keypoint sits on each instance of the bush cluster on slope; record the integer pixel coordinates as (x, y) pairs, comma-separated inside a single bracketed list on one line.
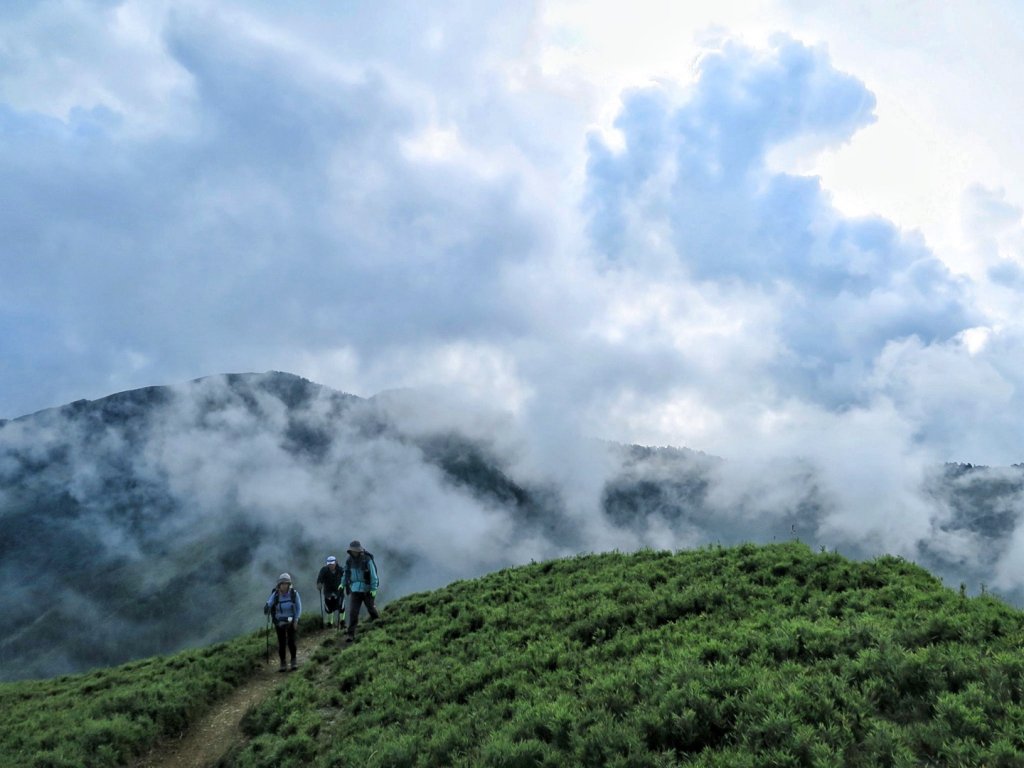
[(105, 717), (746, 656)]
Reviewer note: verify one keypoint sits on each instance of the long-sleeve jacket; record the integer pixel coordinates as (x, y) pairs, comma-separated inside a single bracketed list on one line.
[(360, 573), (282, 607), (328, 579)]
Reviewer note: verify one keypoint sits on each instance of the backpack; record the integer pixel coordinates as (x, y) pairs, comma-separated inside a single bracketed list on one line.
[(277, 597), (366, 565)]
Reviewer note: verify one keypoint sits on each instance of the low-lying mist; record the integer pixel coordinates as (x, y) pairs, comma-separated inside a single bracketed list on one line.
[(158, 518)]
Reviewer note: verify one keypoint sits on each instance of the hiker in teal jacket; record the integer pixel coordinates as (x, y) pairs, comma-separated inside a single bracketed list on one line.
[(359, 577)]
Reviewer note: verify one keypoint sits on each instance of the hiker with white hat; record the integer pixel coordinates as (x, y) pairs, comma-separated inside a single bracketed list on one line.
[(284, 606), (328, 583), (359, 577)]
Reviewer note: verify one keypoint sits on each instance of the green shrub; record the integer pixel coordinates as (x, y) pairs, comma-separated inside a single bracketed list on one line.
[(749, 656), (105, 717)]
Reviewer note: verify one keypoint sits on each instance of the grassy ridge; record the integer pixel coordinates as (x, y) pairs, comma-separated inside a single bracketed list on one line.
[(747, 656), (105, 717)]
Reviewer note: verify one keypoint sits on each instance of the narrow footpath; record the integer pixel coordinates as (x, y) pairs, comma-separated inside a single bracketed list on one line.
[(220, 728)]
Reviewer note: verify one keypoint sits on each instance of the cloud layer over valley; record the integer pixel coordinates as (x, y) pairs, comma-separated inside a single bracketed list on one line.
[(158, 517)]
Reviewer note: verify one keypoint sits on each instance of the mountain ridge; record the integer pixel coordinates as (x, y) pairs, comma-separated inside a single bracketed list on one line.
[(120, 510)]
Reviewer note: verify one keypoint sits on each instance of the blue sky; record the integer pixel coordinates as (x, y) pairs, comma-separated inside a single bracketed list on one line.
[(747, 228)]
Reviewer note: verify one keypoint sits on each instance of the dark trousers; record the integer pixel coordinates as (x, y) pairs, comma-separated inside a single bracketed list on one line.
[(286, 636), (355, 602)]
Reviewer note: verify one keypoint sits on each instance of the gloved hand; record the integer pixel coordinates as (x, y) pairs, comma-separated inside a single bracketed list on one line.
[(266, 610), (348, 590), (373, 593)]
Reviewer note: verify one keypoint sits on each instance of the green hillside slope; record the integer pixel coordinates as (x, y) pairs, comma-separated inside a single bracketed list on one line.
[(746, 656), (103, 718)]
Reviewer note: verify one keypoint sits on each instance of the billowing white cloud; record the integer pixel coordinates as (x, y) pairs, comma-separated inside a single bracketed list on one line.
[(696, 173)]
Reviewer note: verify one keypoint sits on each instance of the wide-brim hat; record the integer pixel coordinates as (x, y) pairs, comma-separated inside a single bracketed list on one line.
[(355, 548)]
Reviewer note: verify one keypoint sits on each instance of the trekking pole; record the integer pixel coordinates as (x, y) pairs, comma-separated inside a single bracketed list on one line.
[(322, 624), (266, 633)]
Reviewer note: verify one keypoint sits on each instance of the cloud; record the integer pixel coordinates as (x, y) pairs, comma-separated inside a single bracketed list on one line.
[(289, 214), (111, 60), (693, 171), (994, 228), (332, 202)]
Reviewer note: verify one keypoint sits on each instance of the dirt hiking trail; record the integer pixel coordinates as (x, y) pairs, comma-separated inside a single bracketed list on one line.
[(219, 730)]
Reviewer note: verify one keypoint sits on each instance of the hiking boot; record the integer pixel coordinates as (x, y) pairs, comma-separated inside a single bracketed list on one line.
[(349, 638), (294, 665), (282, 668)]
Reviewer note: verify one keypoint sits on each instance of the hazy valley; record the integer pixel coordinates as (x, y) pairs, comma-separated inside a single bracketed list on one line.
[(154, 519)]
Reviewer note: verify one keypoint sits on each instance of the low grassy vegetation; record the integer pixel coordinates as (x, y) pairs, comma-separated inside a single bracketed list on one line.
[(104, 718), (746, 656)]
